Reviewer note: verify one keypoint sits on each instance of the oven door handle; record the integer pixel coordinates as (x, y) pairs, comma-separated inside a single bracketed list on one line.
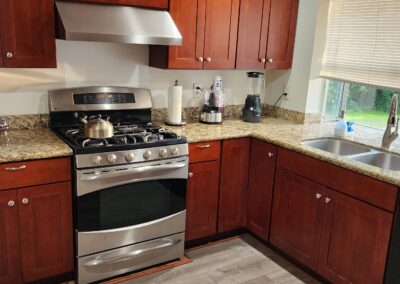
[(134, 171), (130, 255)]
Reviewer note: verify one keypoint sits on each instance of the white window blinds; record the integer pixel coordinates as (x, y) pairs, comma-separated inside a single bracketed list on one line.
[(363, 42)]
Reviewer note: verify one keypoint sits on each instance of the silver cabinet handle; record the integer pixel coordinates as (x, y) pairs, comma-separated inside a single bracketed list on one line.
[(263, 60), (16, 168), (191, 174), (318, 196), (208, 59), (200, 59), (11, 203), (270, 60), (327, 200), (204, 146), (9, 55), (25, 201), (270, 155)]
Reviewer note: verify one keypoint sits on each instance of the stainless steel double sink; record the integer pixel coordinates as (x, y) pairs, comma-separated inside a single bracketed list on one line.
[(356, 152)]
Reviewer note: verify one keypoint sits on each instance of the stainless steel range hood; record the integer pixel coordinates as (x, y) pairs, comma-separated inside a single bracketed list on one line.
[(121, 24)]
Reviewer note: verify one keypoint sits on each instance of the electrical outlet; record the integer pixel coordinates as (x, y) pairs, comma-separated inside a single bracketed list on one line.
[(286, 91), (196, 91)]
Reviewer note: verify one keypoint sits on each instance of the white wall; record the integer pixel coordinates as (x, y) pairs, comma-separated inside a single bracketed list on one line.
[(24, 91)]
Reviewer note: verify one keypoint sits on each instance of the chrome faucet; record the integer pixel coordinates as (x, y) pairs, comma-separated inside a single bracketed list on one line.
[(393, 121)]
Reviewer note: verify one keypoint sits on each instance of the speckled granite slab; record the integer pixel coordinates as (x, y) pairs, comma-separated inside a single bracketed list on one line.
[(290, 135), (40, 143)]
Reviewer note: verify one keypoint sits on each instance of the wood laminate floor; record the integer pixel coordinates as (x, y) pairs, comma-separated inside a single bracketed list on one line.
[(239, 260)]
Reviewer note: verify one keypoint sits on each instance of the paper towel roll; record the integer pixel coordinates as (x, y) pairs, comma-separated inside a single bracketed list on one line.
[(175, 104)]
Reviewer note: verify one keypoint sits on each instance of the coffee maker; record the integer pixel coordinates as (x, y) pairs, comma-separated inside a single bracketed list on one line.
[(212, 111), (255, 87)]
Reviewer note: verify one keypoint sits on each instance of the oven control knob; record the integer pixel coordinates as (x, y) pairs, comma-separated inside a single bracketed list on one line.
[(163, 153), (97, 160), (130, 157), (112, 158), (174, 151), (147, 155)]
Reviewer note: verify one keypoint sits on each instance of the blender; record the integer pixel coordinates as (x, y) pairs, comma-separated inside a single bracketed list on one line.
[(255, 87)]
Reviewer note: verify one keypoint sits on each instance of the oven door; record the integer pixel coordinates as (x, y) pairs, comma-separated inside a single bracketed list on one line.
[(123, 205)]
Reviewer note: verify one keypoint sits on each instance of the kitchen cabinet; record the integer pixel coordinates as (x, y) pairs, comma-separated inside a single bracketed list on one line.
[(355, 239), (202, 200), (261, 183), (209, 31), (10, 260), (233, 184), (38, 239), (266, 34), (297, 217), (332, 220), (27, 33)]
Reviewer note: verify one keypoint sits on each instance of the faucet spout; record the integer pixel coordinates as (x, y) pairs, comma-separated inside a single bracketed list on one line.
[(391, 135)]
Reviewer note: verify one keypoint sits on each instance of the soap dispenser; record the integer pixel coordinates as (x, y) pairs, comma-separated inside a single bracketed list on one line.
[(341, 126)]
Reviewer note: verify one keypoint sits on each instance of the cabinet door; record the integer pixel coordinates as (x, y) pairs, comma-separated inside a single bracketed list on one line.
[(189, 16), (354, 241), (253, 34), (297, 217), (27, 33), (281, 33), (222, 19), (202, 200), (158, 4), (261, 181), (233, 184), (10, 259), (45, 215)]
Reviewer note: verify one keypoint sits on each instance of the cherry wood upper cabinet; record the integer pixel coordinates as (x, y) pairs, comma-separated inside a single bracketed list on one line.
[(27, 33), (209, 31), (10, 260), (45, 216), (202, 200), (281, 33), (261, 183), (266, 34), (354, 242), (297, 217), (233, 184), (221, 34), (157, 4)]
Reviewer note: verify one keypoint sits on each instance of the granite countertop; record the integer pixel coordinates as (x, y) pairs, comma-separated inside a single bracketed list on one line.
[(40, 143), (290, 135)]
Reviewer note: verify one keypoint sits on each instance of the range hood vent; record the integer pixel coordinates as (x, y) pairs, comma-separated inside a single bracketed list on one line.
[(120, 24)]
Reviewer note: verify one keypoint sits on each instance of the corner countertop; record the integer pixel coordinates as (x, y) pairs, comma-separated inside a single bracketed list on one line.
[(33, 144), (290, 135)]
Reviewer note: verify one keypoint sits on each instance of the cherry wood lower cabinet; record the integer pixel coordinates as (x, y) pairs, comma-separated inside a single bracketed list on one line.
[(233, 184), (355, 239), (10, 256), (260, 188), (297, 217), (156, 4), (202, 200)]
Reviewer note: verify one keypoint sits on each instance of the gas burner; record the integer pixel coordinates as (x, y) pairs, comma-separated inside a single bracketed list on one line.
[(72, 132), (94, 142)]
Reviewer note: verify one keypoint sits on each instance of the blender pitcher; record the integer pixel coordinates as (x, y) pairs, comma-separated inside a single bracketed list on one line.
[(255, 87)]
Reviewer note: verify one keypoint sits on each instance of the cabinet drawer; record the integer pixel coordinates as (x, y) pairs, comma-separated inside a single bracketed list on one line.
[(204, 151), (29, 173), (362, 187)]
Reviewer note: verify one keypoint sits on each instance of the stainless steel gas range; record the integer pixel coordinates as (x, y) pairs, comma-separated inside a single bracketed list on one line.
[(130, 189)]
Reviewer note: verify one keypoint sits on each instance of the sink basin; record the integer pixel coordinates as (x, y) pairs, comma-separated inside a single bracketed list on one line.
[(337, 147), (381, 160)]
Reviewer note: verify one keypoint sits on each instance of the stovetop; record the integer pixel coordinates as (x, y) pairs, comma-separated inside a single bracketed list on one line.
[(127, 136)]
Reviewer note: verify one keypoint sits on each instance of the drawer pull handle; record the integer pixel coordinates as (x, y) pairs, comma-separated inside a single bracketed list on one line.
[(327, 200), (11, 203), (270, 155), (190, 175), (16, 168), (25, 201), (204, 146), (318, 196)]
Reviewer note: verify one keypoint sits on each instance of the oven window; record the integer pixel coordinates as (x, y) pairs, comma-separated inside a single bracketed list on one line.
[(130, 204)]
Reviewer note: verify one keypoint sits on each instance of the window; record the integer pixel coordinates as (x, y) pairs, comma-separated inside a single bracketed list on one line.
[(362, 104)]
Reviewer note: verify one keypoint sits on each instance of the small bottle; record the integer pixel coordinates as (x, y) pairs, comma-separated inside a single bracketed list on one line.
[(341, 126)]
